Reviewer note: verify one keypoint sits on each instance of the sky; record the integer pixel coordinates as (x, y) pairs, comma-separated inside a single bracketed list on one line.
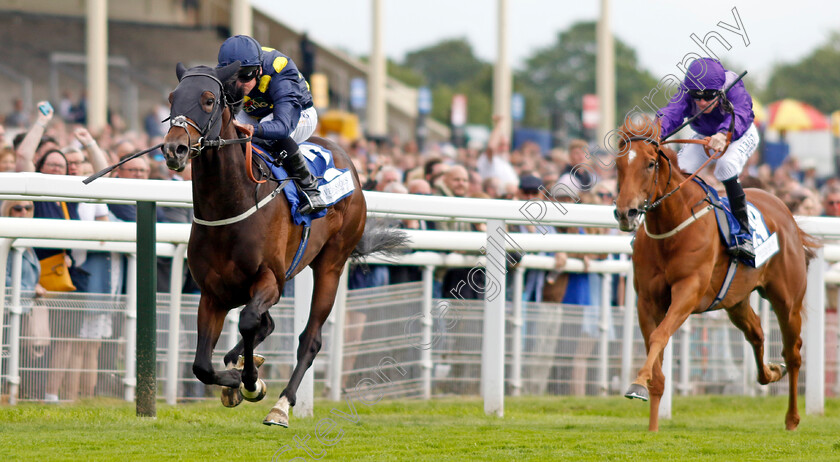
[(778, 31)]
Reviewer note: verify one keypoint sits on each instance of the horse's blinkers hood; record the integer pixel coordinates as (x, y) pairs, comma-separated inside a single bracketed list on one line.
[(186, 98)]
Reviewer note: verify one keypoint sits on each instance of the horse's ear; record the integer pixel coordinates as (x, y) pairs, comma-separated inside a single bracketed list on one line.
[(225, 73), (179, 71)]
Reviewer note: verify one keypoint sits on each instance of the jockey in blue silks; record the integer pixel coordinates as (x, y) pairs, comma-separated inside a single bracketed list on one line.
[(278, 106), (705, 79)]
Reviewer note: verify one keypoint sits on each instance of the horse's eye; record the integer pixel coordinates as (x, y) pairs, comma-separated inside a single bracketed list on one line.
[(210, 102), (652, 164)]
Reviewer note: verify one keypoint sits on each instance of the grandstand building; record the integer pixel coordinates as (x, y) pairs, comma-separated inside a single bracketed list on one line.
[(43, 56)]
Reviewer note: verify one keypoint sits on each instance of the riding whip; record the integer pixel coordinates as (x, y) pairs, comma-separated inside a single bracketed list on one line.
[(107, 170), (722, 95)]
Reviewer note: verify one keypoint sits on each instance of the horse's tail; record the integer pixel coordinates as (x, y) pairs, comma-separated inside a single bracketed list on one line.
[(383, 237), (810, 244)]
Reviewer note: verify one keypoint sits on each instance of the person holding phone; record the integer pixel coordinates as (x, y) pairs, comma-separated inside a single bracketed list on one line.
[(26, 151)]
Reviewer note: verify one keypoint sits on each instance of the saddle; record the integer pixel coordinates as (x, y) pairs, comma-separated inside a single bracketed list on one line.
[(334, 184), (730, 232)]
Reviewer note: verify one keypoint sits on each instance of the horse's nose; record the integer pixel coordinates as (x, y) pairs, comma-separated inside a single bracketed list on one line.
[(177, 149), (629, 214)]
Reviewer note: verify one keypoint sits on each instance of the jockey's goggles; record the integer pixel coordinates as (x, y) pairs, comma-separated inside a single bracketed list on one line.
[(248, 74), (705, 95)]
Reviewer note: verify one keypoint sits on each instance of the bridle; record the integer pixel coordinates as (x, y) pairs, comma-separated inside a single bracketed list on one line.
[(219, 106), (650, 202)]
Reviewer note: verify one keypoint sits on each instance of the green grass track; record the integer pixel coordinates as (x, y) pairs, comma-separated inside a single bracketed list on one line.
[(533, 428)]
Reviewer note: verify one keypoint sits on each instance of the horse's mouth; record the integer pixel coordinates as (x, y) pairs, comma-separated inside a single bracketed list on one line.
[(173, 164), (629, 226)]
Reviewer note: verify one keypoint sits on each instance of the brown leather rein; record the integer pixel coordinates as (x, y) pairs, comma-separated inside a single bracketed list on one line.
[(705, 142), (246, 129)]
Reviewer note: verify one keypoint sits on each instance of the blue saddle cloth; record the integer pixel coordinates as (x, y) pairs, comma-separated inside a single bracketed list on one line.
[(321, 164), (728, 227)]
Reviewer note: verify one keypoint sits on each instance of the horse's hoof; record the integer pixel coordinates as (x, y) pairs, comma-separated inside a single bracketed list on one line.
[(231, 397), (782, 369), (259, 360), (256, 395), (637, 391), (279, 414)]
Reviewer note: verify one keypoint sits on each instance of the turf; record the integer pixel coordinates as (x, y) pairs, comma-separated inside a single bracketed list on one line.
[(533, 428)]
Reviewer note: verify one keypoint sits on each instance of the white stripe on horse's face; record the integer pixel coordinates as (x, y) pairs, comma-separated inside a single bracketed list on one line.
[(630, 156)]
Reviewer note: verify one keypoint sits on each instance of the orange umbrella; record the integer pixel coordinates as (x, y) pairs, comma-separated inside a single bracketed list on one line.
[(792, 115), (835, 123)]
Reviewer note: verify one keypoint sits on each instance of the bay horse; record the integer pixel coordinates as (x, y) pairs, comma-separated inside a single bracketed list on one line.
[(243, 261), (681, 273)]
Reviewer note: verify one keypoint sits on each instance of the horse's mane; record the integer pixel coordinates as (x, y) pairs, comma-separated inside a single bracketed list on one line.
[(645, 126), (235, 96), (641, 125)]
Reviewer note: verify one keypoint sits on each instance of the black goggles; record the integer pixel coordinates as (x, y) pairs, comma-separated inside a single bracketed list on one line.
[(705, 95), (247, 75)]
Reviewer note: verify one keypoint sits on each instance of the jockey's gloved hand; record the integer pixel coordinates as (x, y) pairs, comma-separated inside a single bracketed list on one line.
[(717, 142)]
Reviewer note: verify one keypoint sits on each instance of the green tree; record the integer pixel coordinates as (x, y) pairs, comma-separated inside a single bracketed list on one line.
[(405, 74), (563, 72), (814, 79), (449, 62), (450, 68)]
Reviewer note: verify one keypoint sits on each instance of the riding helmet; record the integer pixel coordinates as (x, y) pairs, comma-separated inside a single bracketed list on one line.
[(240, 48), (703, 74)]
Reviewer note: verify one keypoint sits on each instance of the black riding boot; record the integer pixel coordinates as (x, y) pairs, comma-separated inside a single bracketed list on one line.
[(295, 165), (738, 203)]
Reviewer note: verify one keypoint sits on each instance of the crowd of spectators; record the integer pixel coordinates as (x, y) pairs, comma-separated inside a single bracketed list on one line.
[(60, 144)]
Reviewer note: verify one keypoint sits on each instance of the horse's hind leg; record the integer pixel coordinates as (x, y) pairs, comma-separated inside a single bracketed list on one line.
[(744, 318), (788, 311), (211, 321), (326, 281)]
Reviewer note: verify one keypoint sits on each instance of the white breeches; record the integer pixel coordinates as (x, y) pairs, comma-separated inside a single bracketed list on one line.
[(305, 127), (692, 156)]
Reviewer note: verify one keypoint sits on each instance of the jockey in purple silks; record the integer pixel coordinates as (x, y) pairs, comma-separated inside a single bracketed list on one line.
[(705, 79)]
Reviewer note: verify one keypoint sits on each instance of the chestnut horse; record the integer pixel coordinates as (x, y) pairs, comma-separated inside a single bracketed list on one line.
[(681, 274), (243, 258)]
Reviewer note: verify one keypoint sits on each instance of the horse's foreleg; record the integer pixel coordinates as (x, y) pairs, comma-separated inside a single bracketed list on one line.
[(264, 293), (744, 318), (266, 328), (211, 321), (657, 389), (326, 283), (684, 297), (650, 315)]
